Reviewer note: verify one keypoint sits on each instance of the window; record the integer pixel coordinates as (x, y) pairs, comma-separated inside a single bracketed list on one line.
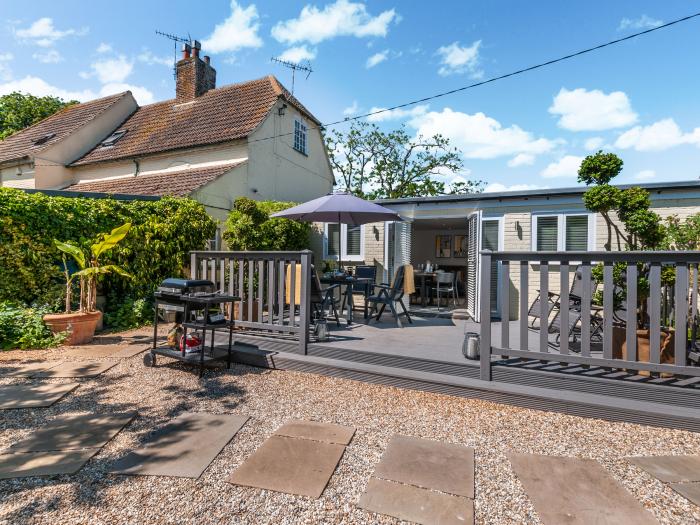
[(113, 138), (350, 239), (300, 136), (44, 139), (563, 232)]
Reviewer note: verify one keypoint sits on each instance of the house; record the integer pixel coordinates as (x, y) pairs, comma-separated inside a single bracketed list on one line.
[(252, 139), (450, 231)]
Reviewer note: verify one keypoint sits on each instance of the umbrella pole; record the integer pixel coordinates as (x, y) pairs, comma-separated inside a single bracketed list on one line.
[(340, 244)]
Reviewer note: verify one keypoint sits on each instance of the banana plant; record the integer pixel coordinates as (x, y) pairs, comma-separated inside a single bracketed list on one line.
[(90, 267)]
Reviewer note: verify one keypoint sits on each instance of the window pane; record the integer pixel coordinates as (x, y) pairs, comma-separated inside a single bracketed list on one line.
[(547, 228), (489, 235), (354, 240), (333, 239), (577, 233)]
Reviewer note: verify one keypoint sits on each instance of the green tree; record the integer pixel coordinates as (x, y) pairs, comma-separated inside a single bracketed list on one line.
[(249, 227), (18, 111), (375, 164)]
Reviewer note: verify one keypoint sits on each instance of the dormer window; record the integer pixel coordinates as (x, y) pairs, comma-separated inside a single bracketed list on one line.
[(44, 139), (300, 136), (113, 138)]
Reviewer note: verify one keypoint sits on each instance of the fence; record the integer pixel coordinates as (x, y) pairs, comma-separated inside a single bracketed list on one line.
[(273, 288), (608, 333)]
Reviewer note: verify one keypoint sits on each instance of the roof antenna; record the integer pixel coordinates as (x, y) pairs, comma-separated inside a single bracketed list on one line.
[(294, 66), (175, 40)]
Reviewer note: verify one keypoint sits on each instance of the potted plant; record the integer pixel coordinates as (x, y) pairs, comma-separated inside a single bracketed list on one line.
[(81, 324), (641, 229)]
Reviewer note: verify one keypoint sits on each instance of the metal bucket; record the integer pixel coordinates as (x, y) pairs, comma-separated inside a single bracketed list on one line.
[(470, 346)]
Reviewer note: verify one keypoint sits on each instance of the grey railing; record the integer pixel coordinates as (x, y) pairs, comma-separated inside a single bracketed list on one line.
[(273, 288), (672, 309)]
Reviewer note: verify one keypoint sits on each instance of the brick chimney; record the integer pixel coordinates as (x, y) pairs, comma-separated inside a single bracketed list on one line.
[(194, 75)]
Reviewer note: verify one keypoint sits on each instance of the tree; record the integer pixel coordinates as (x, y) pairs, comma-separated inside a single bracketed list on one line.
[(375, 164), (18, 111), (249, 227)]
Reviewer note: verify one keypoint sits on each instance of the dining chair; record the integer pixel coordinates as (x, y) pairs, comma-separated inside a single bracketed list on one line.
[(445, 284)]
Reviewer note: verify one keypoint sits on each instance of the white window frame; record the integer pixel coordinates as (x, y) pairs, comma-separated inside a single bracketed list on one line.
[(344, 244), (302, 123), (561, 228)]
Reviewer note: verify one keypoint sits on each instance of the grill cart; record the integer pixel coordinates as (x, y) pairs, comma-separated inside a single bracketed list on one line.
[(198, 309)]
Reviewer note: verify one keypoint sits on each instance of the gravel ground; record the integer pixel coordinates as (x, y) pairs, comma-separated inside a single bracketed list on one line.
[(270, 398)]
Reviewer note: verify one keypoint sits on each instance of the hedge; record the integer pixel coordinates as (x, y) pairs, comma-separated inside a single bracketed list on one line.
[(157, 246)]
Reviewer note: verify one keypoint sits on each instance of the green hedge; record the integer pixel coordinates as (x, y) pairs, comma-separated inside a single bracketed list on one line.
[(157, 246)]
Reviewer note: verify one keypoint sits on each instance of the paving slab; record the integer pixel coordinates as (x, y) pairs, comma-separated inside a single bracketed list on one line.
[(326, 432), (670, 469), (446, 467), (76, 369), (689, 491), (182, 448), (26, 369), (410, 503), (111, 351), (33, 396), (576, 492), (290, 465), (47, 463), (74, 433)]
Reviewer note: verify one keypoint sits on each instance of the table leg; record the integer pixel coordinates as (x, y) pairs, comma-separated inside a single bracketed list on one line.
[(204, 340), (423, 291), (348, 296), (230, 342), (155, 327)]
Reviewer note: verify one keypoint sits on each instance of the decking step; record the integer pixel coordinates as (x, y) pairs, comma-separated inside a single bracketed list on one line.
[(539, 398)]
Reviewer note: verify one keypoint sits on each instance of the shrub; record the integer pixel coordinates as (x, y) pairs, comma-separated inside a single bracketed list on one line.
[(126, 313), (249, 227), (163, 233), (24, 328)]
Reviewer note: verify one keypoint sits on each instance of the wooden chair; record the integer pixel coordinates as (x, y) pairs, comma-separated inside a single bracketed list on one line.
[(389, 296)]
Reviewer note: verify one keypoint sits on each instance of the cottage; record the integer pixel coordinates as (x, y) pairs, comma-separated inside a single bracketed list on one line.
[(252, 139)]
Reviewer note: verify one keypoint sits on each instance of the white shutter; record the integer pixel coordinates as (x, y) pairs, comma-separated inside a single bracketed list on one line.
[(398, 247), (472, 290)]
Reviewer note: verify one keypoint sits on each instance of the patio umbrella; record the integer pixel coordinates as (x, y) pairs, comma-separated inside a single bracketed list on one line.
[(341, 208)]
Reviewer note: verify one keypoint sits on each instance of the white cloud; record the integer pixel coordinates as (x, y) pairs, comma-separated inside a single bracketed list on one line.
[(342, 18), (643, 22), (43, 33), (457, 59), (51, 56), (39, 87), (238, 31), (298, 54), (113, 69), (6, 57), (645, 175), (351, 110), (147, 57), (521, 159), (498, 187), (396, 114), (479, 136), (659, 136), (141, 94), (377, 58), (583, 110), (593, 143), (104, 48), (567, 166)]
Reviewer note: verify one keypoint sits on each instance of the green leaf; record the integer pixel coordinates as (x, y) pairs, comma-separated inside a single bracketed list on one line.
[(110, 240), (71, 250)]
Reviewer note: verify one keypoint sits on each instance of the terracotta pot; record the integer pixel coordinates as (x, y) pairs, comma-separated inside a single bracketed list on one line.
[(80, 326), (666, 350)]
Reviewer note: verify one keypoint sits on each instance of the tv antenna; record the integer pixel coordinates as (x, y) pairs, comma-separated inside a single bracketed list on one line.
[(175, 40), (294, 66)]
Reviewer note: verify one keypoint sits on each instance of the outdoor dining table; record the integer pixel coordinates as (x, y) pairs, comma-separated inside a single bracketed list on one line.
[(349, 282), (423, 276)]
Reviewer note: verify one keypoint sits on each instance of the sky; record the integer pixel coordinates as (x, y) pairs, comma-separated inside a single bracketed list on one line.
[(639, 99)]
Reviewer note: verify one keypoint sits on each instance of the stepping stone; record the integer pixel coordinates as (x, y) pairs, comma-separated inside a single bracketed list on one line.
[(74, 433), (576, 491), (98, 351), (184, 447), (670, 469), (326, 432), (446, 467), (76, 369), (410, 503), (690, 491), (48, 463), (290, 465), (33, 396), (27, 369)]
